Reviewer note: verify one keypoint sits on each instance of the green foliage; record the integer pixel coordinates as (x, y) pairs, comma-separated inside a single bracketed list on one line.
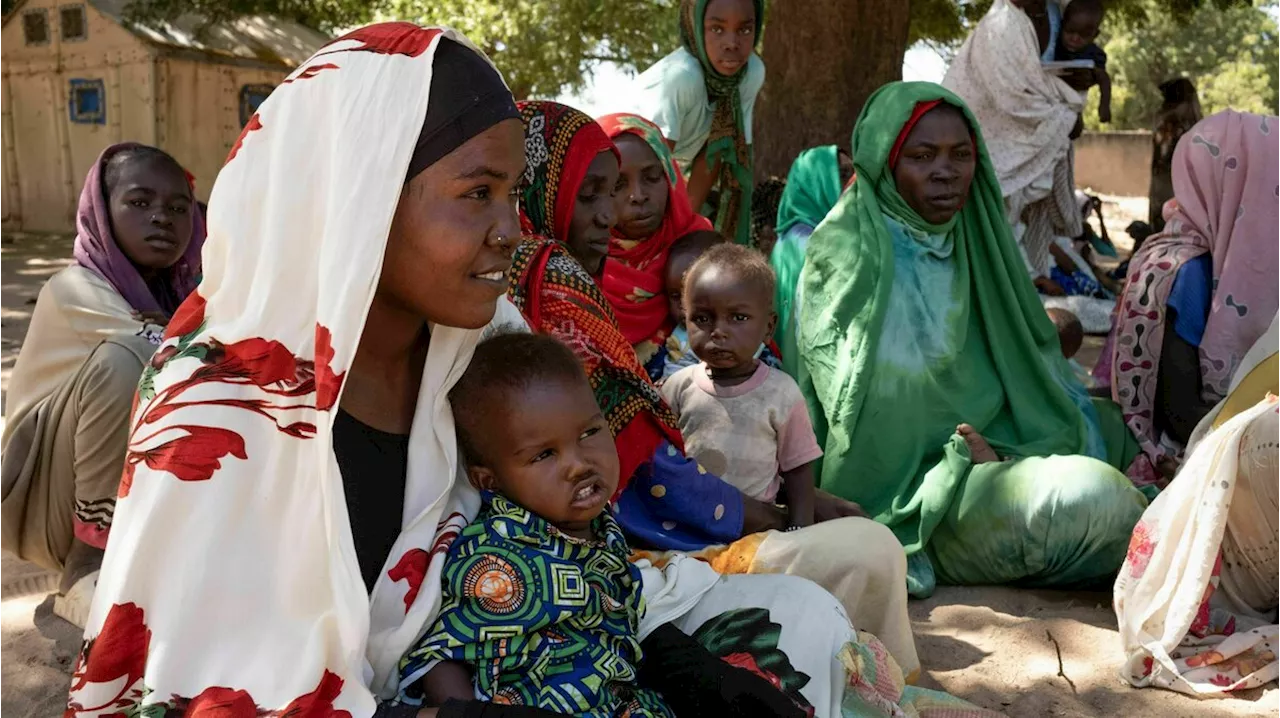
[(1243, 84), (324, 15), (546, 47), (945, 23), (1231, 56), (543, 47)]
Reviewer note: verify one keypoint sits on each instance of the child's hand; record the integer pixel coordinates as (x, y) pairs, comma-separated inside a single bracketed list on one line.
[(828, 507), (798, 484), (1049, 287), (1080, 79), (1104, 114), (798, 517)]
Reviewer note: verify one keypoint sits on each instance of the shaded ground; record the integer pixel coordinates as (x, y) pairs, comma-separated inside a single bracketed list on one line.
[(986, 644), (992, 646), (38, 650)]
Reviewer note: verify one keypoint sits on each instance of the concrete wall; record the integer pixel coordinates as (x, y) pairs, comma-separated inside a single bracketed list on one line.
[(187, 105), (1116, 163), (199, 113), (46, 156)]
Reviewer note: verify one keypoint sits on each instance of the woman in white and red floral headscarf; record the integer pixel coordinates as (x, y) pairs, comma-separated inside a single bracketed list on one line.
[(292, 474), (356, 251)]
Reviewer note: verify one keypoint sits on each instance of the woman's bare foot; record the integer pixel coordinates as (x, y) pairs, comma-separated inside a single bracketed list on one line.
[(979, 450)]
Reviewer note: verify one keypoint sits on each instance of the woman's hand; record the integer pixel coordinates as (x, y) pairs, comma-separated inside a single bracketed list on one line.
[(828, 507), (152, 317)]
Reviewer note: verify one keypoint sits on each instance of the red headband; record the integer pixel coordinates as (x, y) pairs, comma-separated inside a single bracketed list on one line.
[(587, 143), (916, 114)]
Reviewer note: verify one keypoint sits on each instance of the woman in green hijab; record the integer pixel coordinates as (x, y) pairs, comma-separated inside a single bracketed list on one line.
[(813, 186), (937, 379)]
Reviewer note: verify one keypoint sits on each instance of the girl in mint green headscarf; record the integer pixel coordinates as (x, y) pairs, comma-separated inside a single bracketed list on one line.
[(917, 317), (813, 186)]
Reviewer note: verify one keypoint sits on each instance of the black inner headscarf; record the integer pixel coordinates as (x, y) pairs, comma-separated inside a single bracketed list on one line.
[(467, 98)]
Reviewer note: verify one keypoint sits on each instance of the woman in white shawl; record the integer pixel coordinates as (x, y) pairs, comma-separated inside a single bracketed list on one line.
[(1028, 117), (1196, 598), (299, 405)]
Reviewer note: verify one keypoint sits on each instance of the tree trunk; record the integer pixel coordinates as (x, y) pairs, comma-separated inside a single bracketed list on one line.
[(823, 59)]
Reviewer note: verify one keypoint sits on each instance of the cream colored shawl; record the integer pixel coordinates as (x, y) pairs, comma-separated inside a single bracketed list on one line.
[(1026, 116), (76, 309), (1205, 548)]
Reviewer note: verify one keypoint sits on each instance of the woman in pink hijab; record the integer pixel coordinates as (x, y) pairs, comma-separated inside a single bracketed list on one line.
[(1201, 292)]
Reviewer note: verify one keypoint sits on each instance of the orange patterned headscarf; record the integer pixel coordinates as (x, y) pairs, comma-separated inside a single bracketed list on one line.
[(558, 297)]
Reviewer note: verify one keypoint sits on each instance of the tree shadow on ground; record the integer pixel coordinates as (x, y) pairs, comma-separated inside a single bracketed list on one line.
[(948, 653), (1046, 653), (1090, 607)]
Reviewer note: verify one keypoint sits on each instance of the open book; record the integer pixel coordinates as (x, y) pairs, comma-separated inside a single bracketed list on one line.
[(1061, 67)]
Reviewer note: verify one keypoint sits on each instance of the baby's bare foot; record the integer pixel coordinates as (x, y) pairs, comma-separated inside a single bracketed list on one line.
[(979, 450)]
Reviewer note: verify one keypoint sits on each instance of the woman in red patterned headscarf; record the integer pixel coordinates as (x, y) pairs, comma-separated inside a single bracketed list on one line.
[(567, 213), (666, 500)]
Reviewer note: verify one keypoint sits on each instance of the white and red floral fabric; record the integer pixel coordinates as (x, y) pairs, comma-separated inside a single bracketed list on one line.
[(230, 582), (1178, 629)]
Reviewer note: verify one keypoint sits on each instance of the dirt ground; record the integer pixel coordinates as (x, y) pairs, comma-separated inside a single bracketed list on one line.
[(996, 647), (1025, 653)]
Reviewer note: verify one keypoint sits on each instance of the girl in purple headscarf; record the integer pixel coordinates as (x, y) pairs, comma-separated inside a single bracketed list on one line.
[(139, 231), (139, 227)]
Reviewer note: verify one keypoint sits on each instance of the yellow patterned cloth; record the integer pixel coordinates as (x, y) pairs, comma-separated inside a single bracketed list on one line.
[(877, 688)]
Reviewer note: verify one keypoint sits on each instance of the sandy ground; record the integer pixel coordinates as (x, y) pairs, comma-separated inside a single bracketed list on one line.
[(996, 647), (37, 651), (991, 645), (37, 648)]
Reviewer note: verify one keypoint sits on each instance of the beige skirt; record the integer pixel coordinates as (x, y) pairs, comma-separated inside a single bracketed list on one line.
[(858, 561), (61, 467)]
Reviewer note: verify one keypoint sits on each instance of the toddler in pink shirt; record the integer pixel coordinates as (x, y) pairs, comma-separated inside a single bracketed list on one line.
[(742, 419)]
